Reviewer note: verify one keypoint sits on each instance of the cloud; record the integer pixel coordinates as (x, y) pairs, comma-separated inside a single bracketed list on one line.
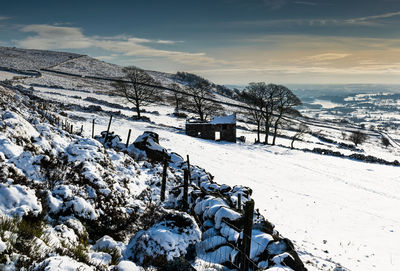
[(54, 37), (309, 59), (373, 17), (361, 21), (3, 18), (305, 3), (281, 58), (167, 42), (49, 37), (327, 56), (274, 4)]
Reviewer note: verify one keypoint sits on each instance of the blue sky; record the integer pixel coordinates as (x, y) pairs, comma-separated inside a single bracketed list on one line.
[(227, 41)]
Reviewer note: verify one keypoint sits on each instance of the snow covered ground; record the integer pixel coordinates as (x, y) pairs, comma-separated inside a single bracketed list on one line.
[(8, 75), (64, 189), (335, 209)]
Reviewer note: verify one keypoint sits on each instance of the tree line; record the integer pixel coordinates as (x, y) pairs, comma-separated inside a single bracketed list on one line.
[(267, 104), (140, 89)]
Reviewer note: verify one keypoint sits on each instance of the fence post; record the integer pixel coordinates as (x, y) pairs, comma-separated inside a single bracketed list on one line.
[(93, 129), (164, 178), (129, 136), (108, 129), (239, 203), (185, 189), (81, 129), (188, 166), (248, 227), (72, 128)]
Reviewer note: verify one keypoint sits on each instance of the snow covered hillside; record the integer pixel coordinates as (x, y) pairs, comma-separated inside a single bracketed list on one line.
[(70, 202), (339, 212), (23, 59)]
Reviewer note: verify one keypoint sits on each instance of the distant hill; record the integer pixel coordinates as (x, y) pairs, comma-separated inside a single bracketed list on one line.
[(27, 59)]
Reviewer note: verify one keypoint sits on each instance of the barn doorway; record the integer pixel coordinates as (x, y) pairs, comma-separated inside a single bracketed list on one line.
[(217, 136)]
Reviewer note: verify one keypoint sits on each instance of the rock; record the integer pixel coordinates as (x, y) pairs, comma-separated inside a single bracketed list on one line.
[(149, 143), (166, 240)]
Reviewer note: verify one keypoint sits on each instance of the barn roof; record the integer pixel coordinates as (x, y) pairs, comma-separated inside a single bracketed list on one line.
[(230, 119)]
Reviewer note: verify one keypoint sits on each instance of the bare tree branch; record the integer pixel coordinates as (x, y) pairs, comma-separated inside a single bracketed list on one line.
[(140, 89)]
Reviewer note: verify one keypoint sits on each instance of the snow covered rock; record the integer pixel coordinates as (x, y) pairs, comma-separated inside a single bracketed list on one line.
[(110, 140), (57, 263), (225, 213), (166, 240), (128, 266), (18, 200), (149, 143)]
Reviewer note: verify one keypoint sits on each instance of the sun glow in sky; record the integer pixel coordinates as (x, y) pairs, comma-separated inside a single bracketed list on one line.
[(226, 41)]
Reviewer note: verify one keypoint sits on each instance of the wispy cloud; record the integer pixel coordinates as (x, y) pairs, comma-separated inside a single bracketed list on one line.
[(167, 41), (373, 17), (62, 37), (274, 4), (327, 56), (3, 18), (54, 37), (305, 3), (361, 21)]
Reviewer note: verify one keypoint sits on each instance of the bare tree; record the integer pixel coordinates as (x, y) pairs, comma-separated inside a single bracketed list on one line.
[(301, 130), (254, 97), (137, 90), (285, 103), (177, 98), (257, 116), (271, 102), (357, 137), (200, 103)]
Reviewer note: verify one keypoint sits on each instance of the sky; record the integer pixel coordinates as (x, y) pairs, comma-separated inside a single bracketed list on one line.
[(226, 41)]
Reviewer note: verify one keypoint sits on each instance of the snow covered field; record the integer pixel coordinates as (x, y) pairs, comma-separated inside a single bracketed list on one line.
[(311, 198), (335, 209)]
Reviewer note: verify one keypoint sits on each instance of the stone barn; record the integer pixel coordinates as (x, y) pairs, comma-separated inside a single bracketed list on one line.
[(219, 128)]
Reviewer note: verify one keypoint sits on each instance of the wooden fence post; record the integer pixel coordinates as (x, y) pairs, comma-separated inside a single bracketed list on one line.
[(164, 178), (248, 227), (185, 189), (72, 128), (108, 129), (188, 166), (239, 203), (129, 136), (81, 129), (93, 129)]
